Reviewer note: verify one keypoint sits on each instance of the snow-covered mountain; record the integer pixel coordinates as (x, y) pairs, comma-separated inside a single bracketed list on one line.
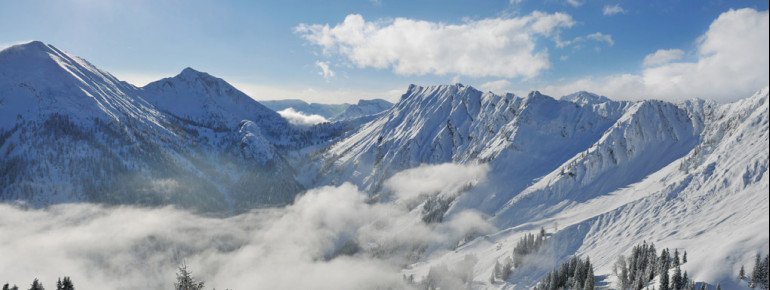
[(364, 108), (71, 132), (604, 174), (202, 99), (457, 123)]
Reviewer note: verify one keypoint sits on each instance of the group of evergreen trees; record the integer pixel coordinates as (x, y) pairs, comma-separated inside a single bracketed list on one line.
[(61, 284), (759, 275), (184, 281), (528, 245), (644, 264), (573, 274)]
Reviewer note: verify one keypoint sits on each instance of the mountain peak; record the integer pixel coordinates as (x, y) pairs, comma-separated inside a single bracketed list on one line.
[(30, 46), (585, 98), (30, 49), (191, 73), (438, 89)]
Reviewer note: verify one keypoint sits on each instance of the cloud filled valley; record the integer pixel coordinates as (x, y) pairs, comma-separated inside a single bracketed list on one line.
[(330, 238)]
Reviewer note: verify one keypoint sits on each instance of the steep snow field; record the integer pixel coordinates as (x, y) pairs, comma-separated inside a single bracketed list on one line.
[(712, 202)]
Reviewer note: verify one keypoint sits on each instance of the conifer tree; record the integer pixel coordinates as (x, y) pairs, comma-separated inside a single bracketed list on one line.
[(756, 274), (765, 271), (686, 280), (676, 280), (67, 284), (742, 273), (684, 257), (676, 258), (590, 279), (497, 271), (664, 283), (36, 285), (185, 281)]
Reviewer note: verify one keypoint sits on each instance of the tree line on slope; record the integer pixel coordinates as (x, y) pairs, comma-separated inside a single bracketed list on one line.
[(643, 265), (184, 281), (61, 284), (639, 269), (576, 273)]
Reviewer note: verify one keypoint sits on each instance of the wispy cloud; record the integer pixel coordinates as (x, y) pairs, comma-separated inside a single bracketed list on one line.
[(502, 47), (601, 37), (610, 10), (596, 36), (326, 71), (575, 3)]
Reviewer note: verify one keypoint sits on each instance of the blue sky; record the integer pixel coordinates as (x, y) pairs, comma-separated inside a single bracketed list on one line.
[(279, 49)]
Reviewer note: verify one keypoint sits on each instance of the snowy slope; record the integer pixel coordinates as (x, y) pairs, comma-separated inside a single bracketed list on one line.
[(38, 79), (712, 202), (649, 136)]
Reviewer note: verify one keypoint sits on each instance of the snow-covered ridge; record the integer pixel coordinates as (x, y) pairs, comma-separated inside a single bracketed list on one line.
[(43, 79), (71, 132)]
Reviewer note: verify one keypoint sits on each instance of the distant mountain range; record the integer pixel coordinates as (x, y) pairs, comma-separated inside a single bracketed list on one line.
[(332, 112)]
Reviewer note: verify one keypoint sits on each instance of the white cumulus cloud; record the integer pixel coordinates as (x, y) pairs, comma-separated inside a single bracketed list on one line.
[(301, 119), (731, 63), (501, 47), (663, 56)]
